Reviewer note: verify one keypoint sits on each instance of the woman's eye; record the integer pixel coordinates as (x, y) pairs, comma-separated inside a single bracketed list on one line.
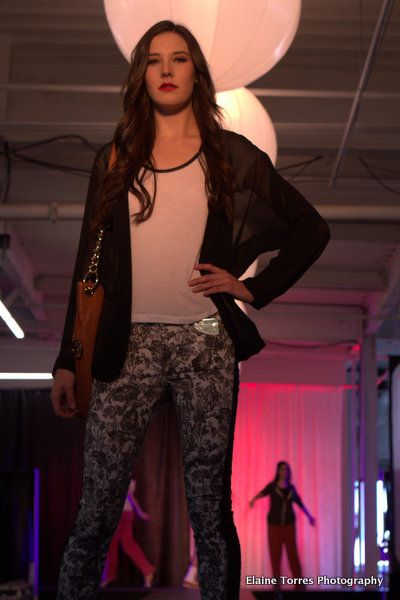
[(152, 61), (181, 59)]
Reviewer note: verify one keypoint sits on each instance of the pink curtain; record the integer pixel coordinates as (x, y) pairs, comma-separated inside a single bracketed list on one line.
[(302, 424)]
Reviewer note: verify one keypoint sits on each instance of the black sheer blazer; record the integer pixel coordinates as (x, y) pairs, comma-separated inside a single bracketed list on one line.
[(269, 214)]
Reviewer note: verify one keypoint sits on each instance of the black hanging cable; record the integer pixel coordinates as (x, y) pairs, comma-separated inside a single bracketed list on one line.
[(304, 168), (299, 164), (57, 138), (5, 193), (304, 165), (379, 168), (378, 179), (15, 153), (50, 165)]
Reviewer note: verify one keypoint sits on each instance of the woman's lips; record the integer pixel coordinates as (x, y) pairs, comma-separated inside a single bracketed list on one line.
[(167, 87)]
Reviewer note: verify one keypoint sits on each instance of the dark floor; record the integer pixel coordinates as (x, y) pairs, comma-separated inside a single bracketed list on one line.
[(24, 592), (139, 594), (187, 594)]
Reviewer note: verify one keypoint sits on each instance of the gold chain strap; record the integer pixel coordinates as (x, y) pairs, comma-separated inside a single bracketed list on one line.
[(92, 276)]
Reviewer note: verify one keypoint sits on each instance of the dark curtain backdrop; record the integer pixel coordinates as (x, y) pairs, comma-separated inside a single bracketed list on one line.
[(31, 436), (16, 525)]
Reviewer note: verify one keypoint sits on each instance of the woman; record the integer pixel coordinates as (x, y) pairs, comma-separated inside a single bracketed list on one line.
[(189, 207), (124, 536), (281, 520)]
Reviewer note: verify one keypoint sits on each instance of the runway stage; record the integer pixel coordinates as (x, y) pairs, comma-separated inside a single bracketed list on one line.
[(187, 594)]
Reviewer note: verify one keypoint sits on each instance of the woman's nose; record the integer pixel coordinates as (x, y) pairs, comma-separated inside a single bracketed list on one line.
[(166, 70)]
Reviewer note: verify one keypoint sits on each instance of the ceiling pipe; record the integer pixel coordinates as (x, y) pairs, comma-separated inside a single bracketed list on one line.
[(366, 72), (54, 212), (60, 87), (320, 94), (259, 92), (358, 212)]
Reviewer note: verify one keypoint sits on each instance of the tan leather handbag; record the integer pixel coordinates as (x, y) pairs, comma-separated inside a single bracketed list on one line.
[(89, 303)]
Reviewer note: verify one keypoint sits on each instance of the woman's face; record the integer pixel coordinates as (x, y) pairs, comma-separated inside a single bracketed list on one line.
[(170, 73), (283, 472)]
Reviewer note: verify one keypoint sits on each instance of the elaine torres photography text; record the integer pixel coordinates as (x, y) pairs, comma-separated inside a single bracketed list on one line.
[(320, 580)]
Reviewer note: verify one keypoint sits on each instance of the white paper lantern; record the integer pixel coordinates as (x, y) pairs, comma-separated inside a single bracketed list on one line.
[(245, 114), (241, 40)]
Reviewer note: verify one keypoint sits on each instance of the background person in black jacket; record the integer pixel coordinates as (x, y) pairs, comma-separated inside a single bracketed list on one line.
[(188, 207), (281, 520)]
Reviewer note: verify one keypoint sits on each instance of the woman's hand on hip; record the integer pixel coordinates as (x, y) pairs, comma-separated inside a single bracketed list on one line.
[(62, 395), (218, 280)]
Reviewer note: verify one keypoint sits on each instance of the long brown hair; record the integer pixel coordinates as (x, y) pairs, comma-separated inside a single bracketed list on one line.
[(280, 464), (135, 133)]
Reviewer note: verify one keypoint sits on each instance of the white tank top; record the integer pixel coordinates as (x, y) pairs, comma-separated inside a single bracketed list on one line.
[(166, 247)]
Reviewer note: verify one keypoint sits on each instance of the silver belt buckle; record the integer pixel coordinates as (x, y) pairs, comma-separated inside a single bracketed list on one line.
[(209, 326)]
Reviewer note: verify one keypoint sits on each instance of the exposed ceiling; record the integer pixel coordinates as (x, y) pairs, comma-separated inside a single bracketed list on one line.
[(334, 99)]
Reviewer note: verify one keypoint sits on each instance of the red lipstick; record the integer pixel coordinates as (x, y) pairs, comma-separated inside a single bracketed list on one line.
[(167, 87)]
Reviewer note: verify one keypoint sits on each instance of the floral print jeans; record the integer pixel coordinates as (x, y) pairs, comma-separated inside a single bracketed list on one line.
[(201, 371)]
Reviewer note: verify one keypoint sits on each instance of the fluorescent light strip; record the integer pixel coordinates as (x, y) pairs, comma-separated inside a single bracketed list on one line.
[(10, 321), (26, 376)]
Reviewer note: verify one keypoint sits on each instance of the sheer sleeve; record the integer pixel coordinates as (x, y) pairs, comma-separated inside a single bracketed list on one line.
[(65, 359), (297, 230)]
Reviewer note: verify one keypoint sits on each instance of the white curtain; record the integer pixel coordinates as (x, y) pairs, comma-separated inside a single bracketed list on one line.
[(301, 424)]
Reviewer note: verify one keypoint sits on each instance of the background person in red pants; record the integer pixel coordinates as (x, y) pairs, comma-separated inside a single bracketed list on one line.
[(281, 520), (124, 536)]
